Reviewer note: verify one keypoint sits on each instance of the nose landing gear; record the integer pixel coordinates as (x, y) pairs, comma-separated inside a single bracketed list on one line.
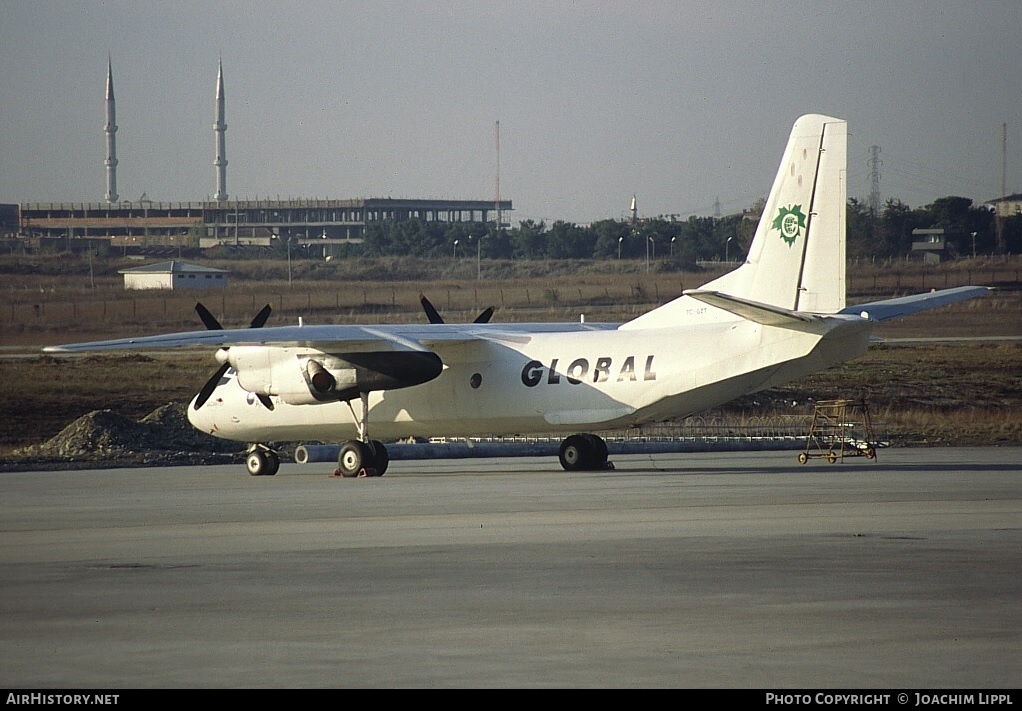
[(261, 460)]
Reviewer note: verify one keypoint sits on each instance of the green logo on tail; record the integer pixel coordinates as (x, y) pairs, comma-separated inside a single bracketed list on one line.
[(789, 222)]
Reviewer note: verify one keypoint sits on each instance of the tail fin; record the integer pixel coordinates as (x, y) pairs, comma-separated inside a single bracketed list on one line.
[(797, 258)]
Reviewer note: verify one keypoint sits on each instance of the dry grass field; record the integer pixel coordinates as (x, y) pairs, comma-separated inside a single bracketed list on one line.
[(947, 393)]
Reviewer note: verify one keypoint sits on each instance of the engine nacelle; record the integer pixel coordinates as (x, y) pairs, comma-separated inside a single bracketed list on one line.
[(305, 376), (321, 379)]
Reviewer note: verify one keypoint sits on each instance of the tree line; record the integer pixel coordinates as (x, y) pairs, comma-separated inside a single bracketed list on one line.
[(969, 229), (695, 239)]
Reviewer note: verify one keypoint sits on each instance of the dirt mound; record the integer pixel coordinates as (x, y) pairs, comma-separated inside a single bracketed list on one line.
[(162, 437), (99, 432)]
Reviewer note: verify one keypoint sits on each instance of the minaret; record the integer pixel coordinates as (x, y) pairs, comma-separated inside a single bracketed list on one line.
[(220, 129), (111, 141)]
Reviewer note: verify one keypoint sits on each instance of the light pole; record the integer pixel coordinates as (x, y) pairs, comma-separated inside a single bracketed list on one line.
[(973, 245), (455, 249), (726, 245), (479, 245), (672, 244), (619, 241)]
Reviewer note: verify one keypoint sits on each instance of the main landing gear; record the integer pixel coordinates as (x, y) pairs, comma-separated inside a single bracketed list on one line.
[(362, 457), (584, 452), (261, 460)]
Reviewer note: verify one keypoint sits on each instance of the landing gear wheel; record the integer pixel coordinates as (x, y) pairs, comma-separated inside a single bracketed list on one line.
[(380, 459), (871, 453), (831, 457), (262, 462), (573, 453), (803, 457), (353, 457), (584, 452), (599, 451)]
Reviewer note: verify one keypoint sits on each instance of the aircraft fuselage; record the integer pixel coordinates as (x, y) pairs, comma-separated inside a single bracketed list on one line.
[(601, 379)]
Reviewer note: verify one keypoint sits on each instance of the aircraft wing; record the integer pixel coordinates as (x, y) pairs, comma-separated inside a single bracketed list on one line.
[(908, 305), (408, 337)]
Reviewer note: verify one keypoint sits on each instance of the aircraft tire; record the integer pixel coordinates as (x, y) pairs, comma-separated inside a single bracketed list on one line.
[(380, 458), (352, 458), (576, 454), (259, 463), (599, 451)]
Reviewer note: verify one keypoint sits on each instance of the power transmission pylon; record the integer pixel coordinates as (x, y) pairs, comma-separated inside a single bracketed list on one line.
[(873, 203)]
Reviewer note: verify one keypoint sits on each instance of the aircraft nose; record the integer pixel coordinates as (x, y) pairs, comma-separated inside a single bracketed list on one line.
[(200, 418)]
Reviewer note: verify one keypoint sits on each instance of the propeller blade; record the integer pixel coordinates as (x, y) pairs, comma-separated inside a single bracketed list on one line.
[(485, 316), (210, 386), (434, 316), (213, 325), (207, 318), (431, 313), (261, 317)]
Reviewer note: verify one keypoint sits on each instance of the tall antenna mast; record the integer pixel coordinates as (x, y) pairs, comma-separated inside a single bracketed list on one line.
[(500, 219)]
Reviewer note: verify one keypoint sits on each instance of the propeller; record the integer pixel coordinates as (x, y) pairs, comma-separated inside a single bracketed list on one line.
[(434, 316), (210, 386), (431, 313), (209, 320)]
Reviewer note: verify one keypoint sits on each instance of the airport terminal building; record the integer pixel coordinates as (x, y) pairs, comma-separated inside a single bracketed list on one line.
[(145, 224), (327, 223)]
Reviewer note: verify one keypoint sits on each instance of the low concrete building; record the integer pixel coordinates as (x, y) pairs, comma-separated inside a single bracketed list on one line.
[(174, 275), (932, 246)]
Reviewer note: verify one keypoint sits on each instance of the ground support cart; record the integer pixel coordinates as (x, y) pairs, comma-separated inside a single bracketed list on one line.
[(839, 429)]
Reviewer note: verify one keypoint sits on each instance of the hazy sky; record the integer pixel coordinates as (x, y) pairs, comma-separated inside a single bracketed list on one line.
[(681, 103)]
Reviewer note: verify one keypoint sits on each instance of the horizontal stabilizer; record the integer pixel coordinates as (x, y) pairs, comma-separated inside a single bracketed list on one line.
[(753, 311), (908, 305)]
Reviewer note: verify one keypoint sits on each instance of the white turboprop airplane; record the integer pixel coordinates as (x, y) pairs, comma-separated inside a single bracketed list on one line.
[(778, 316)]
